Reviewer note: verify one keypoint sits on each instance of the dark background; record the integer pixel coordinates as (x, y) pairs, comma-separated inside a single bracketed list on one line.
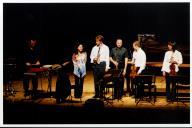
[(58, 26)]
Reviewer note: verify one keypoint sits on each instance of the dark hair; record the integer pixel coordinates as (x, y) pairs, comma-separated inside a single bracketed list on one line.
[(173, 44), (100, 38), (76, 46)]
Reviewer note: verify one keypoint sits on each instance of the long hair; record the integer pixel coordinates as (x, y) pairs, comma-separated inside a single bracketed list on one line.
[(173, 44), (76, 46)]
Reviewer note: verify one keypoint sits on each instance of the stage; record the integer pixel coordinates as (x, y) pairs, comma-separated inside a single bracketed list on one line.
[(44, 110)]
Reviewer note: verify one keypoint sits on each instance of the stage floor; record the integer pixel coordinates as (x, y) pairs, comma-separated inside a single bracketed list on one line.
[(45, 106)]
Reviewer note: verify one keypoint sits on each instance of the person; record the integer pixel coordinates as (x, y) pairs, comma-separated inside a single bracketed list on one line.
[(119, 59), (172, 58), (79, 59), (100, 59), (63, 84), (139, 63), (139, 57), (31, 59)]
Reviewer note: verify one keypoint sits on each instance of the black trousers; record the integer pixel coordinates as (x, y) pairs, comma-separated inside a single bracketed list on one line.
[(119, 85), (78, 86), (98, 73), (26, 84), (128, 80), (170, 87)]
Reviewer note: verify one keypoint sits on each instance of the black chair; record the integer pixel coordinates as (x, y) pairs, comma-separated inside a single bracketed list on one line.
[(143, 83), (107, 83), (182, 88)]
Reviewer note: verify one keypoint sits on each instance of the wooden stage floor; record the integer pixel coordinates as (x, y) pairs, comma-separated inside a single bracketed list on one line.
[(44, 110)]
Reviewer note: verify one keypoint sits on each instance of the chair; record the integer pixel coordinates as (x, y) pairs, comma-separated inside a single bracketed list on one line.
[(107, 83), (142, 83), (182, 88)]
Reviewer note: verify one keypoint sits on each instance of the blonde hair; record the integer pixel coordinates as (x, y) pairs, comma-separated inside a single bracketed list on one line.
[(100, 38), (137, 43)]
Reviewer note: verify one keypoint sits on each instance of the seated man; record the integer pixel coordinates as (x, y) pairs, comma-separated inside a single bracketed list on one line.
[(31, 59)]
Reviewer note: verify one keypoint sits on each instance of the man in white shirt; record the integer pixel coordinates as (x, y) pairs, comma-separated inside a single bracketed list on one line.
[(139, 57), (100, 60), (172, 58), (139, 61)]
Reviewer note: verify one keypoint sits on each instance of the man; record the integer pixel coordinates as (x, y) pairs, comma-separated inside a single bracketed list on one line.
[(172, 60), (138, 61), (31, 59), (119, 59), (100, 60), (139, 57)]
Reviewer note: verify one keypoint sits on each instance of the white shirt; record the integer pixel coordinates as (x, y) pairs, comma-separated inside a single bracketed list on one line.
[(177, 56), (139, 59), (104, 54)]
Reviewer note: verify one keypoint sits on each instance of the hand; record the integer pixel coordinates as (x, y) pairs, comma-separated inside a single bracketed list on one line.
[(37, 63), (115, 63), (95, 60), (164, 73), (124, 72), (28, 64), (64, 64)]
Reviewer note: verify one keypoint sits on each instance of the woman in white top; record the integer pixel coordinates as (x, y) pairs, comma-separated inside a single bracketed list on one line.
[(172, 60), (79, 59)]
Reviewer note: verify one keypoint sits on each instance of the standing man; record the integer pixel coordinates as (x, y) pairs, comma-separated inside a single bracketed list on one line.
[(119, 59), (139, 57), (172, 60), (139, 63), (100, 60)]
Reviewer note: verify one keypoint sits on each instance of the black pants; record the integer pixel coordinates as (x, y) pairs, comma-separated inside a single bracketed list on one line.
[(98, 73), (128, 80), (170, 87), (119, 85), (26, 84), (78, 86)]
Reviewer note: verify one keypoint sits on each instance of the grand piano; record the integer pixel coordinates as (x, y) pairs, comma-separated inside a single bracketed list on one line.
[(155, 51)]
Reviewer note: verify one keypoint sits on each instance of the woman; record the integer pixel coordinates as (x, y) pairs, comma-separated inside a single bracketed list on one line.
[(79, 59), (172, 59)]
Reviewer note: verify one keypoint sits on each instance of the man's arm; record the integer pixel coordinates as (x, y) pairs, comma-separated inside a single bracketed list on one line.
[(125, 67)]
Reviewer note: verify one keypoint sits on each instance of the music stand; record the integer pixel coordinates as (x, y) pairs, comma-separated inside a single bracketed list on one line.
[(9, 69), (140, 82)]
